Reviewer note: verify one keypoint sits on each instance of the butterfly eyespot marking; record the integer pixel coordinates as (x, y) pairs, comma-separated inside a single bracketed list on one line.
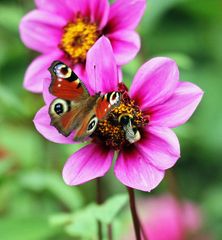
[(92, 125), (59, 107), (62, 71), (114, 98)]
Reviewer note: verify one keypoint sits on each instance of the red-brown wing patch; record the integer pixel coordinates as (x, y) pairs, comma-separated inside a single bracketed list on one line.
[(102, 107), (87, 127), (65, 83), (81, 131), (64, 89), (66, 123)]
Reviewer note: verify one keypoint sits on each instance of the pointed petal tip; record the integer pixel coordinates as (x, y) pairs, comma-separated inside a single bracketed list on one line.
[(126, 14), (103, 74), (179, 107), (32, 86), (65, 179), (86, 164), (126, 45), (41, 30), (134, 171), (154, 82), (37, 71), (146, 188)]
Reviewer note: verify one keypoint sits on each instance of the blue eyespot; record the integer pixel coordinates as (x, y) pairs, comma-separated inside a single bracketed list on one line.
[(59, 108)]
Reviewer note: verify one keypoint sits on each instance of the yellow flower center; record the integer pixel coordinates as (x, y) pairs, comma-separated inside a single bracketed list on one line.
[(78, 37)]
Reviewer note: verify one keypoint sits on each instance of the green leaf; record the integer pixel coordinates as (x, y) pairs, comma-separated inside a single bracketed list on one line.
[(23, 143), (70, 196), (107, 212), (5, 165), (212, 203), (88, 217), (84, 223), (10, 17), (11, 102), (60, 219), (39, 181), (30, 228)]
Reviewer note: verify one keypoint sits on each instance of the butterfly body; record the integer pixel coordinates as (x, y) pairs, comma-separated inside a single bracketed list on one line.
[(75, 109)]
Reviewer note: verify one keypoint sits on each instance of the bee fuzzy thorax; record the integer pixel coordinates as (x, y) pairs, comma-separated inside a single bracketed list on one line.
[(122, 125)]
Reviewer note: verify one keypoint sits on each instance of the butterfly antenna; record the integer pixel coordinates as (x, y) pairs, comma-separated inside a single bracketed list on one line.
[(95, 78)]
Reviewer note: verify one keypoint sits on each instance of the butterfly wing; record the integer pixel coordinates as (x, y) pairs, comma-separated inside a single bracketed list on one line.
[(74, 108), (87, 127), (97, 111), (82, 116), (65, 115), (65, 83), (105, 104), (66, 110)]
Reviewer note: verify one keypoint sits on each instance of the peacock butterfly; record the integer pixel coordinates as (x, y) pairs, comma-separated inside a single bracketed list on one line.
[(75, 109)]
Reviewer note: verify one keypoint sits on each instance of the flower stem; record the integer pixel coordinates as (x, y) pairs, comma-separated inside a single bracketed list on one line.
[(172, 184), (142, 231), (136, 222), (99, 201), (110, 231)]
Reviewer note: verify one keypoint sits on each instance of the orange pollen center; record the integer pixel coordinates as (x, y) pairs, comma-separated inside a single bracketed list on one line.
[(123, 125), (78, 37)]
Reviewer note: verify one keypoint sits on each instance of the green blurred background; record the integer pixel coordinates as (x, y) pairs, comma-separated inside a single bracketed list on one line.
[(35, 203)]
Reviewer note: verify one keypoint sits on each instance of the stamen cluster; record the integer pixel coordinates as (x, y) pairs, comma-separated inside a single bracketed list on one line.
[(78, 37), (110, 131)]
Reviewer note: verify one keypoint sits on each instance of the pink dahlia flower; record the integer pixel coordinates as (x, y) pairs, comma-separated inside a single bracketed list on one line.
[(164, 218), (67, 29), (139, 128)]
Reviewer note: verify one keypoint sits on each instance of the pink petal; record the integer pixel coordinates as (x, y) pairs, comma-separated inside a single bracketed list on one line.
[(179, 107), (80, 70), (125, 44), (192, 217), (120, 75), (96, 10), (58, 7), (134, 170), (154, 82), (165, 221), (48, 97), (38, 71), (80, 6), (88, 163), (101, 67), (41, 31), (42, 123), (160, 146), (99, 12), (125, 14)]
